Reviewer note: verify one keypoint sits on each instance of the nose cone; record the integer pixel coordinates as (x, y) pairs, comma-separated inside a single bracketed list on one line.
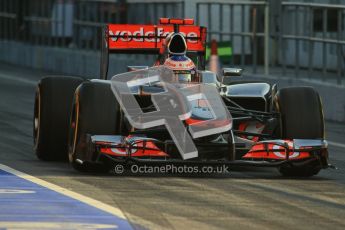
[(177, 44)]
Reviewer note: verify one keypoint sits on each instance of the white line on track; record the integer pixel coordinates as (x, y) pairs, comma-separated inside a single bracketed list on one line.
[(95, 203), (336, 144)]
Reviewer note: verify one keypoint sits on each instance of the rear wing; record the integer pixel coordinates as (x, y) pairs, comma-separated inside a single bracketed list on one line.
[(149, 39)]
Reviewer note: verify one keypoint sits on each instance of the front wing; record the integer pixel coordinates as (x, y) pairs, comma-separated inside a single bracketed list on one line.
[(272, 153)]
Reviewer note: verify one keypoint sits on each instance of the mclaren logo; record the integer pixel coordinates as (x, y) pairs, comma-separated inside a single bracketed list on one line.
[(148, 36)]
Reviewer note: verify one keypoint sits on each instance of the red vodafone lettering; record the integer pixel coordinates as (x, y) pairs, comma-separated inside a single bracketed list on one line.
[(131, 36), (141, 35)]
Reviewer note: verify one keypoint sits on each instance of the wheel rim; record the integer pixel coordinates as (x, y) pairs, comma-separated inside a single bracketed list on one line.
[(37, 117), (73, 128)]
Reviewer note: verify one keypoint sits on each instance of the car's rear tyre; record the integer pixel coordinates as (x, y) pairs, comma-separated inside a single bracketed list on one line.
[(301, 118), (95, 112), (52, 110)]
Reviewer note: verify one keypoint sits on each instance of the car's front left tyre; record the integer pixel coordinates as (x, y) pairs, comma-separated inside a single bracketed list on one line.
[(301, 118)]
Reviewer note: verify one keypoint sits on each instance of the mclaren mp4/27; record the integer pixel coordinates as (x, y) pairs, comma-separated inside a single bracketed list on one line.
[(84, 121)]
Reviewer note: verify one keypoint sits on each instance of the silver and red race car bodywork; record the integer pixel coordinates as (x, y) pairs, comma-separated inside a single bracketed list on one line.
[(250, 140), (253, 138)]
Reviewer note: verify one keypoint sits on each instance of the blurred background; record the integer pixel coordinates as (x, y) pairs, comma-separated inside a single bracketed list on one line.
[(293, 40), (298, 35)]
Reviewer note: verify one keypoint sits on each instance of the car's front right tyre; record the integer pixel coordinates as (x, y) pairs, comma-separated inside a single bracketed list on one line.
[(95, 111)]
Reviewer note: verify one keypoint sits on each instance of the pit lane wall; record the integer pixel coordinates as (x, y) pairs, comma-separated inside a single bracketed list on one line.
[(67, 61), (87, 64), (332, 95)]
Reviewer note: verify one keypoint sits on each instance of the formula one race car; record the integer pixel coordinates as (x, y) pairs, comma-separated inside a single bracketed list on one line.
[(87, 121)]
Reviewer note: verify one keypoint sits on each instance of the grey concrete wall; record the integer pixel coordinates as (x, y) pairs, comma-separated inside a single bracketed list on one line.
[(332, 95), (67, 61)]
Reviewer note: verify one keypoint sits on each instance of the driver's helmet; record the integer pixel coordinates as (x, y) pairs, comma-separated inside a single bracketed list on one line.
[(183, 67)]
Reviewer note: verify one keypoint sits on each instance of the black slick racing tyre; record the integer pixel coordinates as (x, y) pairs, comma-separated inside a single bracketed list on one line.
[(52, 109), (95, 112), (301, 118)]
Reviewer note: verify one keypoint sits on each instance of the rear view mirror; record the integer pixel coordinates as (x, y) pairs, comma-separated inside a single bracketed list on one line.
[(232, 72), (228, 73)]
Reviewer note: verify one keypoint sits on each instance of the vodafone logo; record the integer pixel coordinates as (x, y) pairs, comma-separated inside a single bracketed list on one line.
[(146, 36)]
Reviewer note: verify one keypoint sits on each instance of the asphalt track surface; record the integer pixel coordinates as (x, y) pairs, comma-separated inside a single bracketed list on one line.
[(244, 198)]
